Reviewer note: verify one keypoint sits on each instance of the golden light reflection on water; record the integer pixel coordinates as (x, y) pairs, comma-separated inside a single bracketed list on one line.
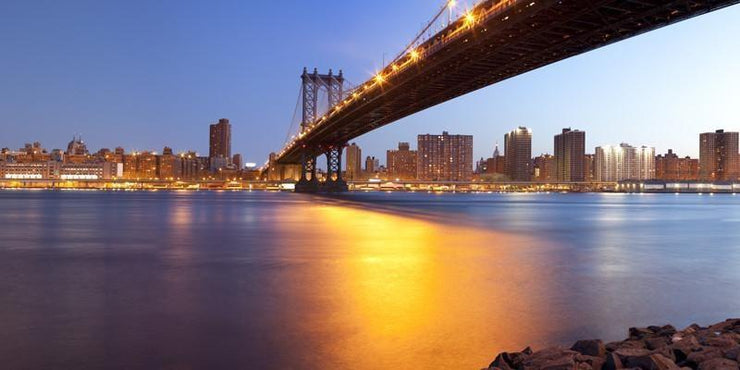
[(409, 293)]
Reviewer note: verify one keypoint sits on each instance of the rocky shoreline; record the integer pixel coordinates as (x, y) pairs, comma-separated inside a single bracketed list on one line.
[(716, 347)]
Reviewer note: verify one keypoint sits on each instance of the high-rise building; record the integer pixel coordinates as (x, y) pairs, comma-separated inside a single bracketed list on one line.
[(353, 161), (671, 167), (220, 142), (444, 157), (370, 165), (718, 156), (237, 161), (166, 164), (518, 151), (402, 162), (588, 167), (624, 162), (147, 165), (570, 149), (544, 168)]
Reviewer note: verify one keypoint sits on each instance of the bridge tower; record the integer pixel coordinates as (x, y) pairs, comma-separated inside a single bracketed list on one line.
[(313, 83)]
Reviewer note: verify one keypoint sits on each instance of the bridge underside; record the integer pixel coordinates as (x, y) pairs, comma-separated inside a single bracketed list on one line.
[(522, 37)]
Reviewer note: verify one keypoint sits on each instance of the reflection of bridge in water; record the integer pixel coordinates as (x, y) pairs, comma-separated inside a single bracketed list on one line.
[(494, 41)]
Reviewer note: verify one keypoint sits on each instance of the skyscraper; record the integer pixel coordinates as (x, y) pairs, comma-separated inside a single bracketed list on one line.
[(624, 162), (353, 162), (718, 156), (518, 152), (402, 162), (370, 167), (588, 167), (444, 157), (220, 144), (570, 150)]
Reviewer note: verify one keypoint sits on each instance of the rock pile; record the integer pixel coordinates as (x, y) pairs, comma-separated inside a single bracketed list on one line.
[(716, 347)]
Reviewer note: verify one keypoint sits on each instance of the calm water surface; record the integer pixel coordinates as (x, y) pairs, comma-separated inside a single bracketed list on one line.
[(204, 280)]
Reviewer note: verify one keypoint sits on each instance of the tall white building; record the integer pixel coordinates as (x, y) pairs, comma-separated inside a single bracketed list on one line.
[(624, 162)]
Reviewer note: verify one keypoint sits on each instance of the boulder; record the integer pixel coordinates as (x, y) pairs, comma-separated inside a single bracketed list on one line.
[(612, 362), (510, 360), (593, 362), (693, 328), (613, 346), (722, 341), (667, 331), (656, 342), (651, 362), (593, 347), (694, 359), (682, 348), (639, 333), (726, 326), (719, 364), (732, 353), (553, 358), (626, 353)]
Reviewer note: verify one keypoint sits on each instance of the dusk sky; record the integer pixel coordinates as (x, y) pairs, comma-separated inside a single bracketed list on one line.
[(145, 74)]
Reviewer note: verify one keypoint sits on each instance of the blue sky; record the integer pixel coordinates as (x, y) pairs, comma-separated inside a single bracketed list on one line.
[(145, 74)]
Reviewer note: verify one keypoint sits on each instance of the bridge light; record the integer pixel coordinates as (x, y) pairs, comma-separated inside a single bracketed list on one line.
[(395, 67), (414, 55), (379, 78), (469, 18)]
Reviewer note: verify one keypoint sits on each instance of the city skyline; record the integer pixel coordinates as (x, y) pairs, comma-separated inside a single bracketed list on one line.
[(655, 95)]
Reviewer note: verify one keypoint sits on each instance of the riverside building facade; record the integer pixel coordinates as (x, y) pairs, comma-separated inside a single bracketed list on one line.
[(718, 156), (570, 151), (518, 152), (624, 162), (402, 162), (445, 157)]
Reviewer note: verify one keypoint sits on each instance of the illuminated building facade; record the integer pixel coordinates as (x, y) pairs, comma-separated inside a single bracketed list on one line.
[(166, 165), (220, 142), (671, 167), (624, 162), (570, 149), (588, 167), (544, 168), (402, 162), (718, 156), (518, 151), (353, 161), (58, 171), (444, 157)]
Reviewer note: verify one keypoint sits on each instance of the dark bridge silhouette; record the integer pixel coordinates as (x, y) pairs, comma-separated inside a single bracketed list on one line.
[(495, 41)]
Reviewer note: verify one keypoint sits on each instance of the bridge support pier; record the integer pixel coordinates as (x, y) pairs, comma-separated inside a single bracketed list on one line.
[(334, 181), (308, 183)]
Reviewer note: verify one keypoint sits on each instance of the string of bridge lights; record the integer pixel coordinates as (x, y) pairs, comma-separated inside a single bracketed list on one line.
[(411, 56)]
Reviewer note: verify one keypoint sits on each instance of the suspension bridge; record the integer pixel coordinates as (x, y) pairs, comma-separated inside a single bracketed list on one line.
[(452, 56)]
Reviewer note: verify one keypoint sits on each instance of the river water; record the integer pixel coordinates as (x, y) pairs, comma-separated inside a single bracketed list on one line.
[(255, 280)]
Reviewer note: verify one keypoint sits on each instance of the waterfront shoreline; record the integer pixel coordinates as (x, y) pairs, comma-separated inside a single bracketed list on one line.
[(651, 348)]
